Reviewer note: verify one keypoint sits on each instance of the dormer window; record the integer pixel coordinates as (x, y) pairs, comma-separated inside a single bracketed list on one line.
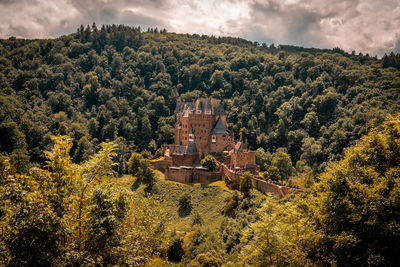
[(213, 138)]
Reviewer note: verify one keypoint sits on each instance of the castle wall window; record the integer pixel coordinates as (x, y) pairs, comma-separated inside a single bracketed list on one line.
[(213, 138)]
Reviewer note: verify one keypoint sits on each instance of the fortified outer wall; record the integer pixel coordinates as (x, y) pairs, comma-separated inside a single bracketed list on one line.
[(232, 180), (192, 175), (184, 160), (161, 164), (266, 187)]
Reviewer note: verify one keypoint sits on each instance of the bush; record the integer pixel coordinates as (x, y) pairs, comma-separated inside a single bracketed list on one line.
[(197, 220), (210, 162), (185, 205), (175, 251), (134, 163), (245, 183)]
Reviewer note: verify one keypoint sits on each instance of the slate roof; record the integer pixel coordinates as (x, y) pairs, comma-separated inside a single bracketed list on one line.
[(219, 128), (181, 106), (191, 148), (179, 150), (220, 110)]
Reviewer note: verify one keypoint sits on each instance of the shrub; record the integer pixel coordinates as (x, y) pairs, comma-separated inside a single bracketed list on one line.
[(245, 183), (210, 162), (185, 205)]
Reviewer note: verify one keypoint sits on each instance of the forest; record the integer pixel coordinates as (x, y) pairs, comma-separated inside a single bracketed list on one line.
[(79, 111)]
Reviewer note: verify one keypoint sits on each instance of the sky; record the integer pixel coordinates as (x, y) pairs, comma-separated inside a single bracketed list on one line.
[(367, 26)]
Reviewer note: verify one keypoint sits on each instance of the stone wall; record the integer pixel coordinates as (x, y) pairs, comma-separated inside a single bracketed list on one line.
[(232, 181), (178, 175), (277, 190), (223, 141), (161, 164), (192, 175), (184, 160)]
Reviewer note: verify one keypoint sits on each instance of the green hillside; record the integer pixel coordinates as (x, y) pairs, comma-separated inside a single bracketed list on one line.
[(118, 83), (206, 199), (82, 114)]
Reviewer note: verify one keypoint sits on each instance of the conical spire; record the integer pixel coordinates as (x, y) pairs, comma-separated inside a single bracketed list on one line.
[(219, 128)]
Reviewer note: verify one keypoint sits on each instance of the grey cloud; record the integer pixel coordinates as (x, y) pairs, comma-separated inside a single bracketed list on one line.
[(366, 26)]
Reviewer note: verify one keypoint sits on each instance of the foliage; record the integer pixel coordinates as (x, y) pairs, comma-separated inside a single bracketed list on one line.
[(245, 183), (140, 167), (197, 220), (134, 163), (277, 238), (301, 107), (350, 217), (355, 206), (175, 251), (210, 162), (185, 205), (118, 82), (231, 203), (68, 214)]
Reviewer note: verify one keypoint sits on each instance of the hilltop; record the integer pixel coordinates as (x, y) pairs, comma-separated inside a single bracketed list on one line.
[(119, 83), (80, 115)]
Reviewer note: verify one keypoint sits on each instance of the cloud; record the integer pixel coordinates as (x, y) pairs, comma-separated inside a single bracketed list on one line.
[(367, 26)]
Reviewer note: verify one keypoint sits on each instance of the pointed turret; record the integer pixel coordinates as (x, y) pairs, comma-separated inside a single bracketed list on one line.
[(219, 128), (220, 110), (191, 148)]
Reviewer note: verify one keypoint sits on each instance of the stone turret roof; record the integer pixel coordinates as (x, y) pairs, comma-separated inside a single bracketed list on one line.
[(220, 110), (179, 150), (191, 148), (219, 128)]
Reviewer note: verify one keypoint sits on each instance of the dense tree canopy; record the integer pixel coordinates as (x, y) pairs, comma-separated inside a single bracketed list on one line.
[(118, 82), (109, 96)]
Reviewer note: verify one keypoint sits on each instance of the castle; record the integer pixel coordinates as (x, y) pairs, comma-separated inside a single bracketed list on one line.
[(200, 130)]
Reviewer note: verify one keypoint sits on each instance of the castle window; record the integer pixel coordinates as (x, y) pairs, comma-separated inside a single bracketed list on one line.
[(185, 138), (213, 138)]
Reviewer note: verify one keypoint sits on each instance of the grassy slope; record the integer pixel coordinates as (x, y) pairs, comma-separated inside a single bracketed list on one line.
[(207, 200)]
